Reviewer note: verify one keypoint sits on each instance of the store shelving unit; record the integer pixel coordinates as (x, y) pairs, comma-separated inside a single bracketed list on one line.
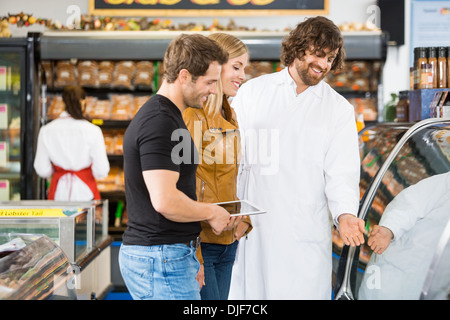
[(151, 45)]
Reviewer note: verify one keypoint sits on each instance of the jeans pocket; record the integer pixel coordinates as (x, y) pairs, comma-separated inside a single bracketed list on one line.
[(181, 267), (137, 272), (178, 256)]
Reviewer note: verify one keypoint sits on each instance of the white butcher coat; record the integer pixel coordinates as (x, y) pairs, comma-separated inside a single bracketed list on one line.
[(300, 162), (72, 145)]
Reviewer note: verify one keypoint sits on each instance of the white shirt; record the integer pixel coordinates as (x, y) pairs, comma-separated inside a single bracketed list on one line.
[(417, 217), (300, 162), (72, 145)]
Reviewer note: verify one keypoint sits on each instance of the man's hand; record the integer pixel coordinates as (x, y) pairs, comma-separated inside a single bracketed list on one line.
[(351, 229), (380, 238), (220, 219)]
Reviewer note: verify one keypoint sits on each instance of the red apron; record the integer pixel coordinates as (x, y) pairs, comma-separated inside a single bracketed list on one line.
[(85, 175)]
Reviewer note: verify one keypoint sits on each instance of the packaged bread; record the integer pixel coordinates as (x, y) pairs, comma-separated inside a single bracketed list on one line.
[(360, 84), (143, 78), (118, 142), (257, 68), (47, 67), (87, 73), (113, 182), (138, 102), (123, 75), (359, 67), (55, 107), (109, 137), (105, 70), (100, 110), (66, 74), (90, 103), (121, 106)]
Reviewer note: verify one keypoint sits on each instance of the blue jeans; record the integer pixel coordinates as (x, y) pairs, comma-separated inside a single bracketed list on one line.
[(166, 272), (218, 262)]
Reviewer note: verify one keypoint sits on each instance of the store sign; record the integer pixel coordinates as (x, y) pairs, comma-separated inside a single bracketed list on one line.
[(207, 7), (31, 213), (430, 24)]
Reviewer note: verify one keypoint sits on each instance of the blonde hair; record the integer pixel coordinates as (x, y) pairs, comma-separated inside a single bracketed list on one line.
[(235, 48)]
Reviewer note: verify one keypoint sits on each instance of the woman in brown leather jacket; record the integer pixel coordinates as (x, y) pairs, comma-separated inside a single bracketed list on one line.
[(215, 132)]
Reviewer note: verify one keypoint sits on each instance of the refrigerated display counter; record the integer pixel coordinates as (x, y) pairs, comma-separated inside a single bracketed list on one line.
[(376, 142), (80, 229), (408, 195), (34, 267)]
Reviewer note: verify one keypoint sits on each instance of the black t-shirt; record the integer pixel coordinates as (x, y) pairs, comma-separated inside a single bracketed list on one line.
[(157, 138)]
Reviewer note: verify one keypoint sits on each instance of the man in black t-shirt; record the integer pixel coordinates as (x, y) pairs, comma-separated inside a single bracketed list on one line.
[(157, 257)]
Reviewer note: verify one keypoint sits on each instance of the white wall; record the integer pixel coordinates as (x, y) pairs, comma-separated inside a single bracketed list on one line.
[(396, 68), (396, 71)]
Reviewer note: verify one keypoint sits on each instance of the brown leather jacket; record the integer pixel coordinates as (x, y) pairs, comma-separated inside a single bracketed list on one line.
[(218, 142)]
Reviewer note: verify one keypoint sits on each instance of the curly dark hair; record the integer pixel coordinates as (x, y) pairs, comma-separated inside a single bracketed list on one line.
[(317, 33)]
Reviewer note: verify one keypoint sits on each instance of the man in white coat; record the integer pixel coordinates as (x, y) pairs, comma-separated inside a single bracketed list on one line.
[(300, 162)]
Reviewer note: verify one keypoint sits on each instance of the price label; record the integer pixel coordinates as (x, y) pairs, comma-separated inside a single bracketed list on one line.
[(31, 213), (97, 122)]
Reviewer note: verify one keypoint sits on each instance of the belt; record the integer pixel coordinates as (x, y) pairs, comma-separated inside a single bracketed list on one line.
[(195, 243)]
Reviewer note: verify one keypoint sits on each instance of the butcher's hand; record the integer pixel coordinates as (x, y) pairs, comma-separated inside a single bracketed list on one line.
[(380, 239), (351, 229)]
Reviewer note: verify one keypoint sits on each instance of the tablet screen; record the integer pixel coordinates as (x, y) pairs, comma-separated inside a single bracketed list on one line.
[(240, 208)]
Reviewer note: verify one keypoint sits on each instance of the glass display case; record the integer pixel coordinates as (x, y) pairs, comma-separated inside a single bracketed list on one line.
[(34, 267), (18, 116), (77, 227), (375, 143), (408, 199), (11, 100)]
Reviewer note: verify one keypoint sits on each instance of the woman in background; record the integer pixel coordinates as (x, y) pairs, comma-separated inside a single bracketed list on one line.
[(218, 143), (71, 151)]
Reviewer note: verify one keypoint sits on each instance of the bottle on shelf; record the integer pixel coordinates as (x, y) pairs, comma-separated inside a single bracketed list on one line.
[(415, 69), (426, 76), (448, 67), (422, 60), (403, 106), (432, 60), (442, 68), (390, 112)]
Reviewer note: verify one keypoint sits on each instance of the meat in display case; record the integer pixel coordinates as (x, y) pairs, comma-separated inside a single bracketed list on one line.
[(33, 267), (406, 208)]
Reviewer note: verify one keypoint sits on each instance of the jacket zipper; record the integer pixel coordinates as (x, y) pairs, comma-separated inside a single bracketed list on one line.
[(202, 193)]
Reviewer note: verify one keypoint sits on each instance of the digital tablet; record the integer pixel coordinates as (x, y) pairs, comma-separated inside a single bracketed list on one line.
[(240, 208)]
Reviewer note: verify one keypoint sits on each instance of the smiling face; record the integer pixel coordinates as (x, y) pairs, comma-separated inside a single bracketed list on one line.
[(196, 92), (312, 67), (233, 74)]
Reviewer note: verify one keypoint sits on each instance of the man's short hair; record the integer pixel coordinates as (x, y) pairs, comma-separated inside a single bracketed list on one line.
[(193, 52)]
